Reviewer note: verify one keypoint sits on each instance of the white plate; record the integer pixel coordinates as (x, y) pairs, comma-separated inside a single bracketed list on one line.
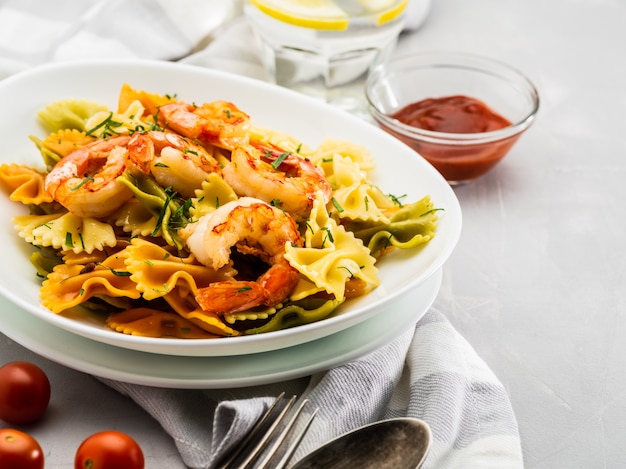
[(150, 369), (399, 171)]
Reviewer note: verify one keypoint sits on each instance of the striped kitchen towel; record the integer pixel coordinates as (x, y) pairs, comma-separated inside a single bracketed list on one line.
[(431, 373)]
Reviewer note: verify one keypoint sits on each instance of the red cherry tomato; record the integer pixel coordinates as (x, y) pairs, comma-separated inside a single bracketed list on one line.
[(109, 450), (24, 392), (19, 450)]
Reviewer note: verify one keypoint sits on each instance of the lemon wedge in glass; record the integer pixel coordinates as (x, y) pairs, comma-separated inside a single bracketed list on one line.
[(330, 14)]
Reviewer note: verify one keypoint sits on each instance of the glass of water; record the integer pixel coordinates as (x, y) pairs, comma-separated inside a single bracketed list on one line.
[(325, 48)]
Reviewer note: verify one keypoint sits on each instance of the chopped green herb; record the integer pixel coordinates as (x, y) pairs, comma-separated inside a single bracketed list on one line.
[(396, 199), (278, 161), (108, 125), (101, 124), (388, 241), (329, 234), (155, 116), (117, 273), (349, 271), (431, 211), (165, 289), (82, 183), (337, 205)]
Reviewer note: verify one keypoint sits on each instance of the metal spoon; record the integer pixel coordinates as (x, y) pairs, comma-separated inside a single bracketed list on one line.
[(400, 443)]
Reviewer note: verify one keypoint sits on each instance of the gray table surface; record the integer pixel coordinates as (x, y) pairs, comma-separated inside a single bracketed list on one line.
[(538, 282)]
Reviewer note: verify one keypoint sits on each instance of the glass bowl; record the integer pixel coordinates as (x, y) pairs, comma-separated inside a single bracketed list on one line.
[(459, 157)]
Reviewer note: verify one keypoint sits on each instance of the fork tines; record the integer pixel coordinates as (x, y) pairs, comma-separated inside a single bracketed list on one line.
[(272, 427)]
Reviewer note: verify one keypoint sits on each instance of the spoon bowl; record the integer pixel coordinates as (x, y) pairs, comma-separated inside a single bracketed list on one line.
[(400, 443)]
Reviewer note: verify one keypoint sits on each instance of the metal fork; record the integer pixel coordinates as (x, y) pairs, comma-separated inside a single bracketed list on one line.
[(270, 429)]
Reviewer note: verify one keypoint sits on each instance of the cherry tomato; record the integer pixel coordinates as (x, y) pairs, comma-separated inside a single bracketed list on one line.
[(24, 392), (19, 450), (109, 450)]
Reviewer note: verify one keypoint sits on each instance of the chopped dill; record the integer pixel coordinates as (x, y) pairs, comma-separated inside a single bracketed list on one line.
[(107, 125), (278, 161), (396, 199), (82, 183), (117, 273), (337, 205)]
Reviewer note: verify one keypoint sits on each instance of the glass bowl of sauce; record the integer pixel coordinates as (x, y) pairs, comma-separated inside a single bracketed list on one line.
[(461, 112)]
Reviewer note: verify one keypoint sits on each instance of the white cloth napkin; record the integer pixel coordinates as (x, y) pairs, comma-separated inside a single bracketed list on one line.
[(33, 32), (430, 373)]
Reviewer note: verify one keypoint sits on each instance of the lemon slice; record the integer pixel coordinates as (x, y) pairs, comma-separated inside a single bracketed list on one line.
[(316, 14), (329, 14), (388, 9)]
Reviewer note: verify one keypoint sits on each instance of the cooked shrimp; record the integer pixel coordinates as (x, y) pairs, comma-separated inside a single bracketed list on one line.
[(284, 179), (84, 181), (173, 160), (253, 227), (218, 123)]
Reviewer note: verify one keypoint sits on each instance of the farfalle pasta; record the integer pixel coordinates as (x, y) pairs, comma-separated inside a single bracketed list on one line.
[(157, 272), (67, 114), (26, 184), (330, 257), (66, 231), (69, 285), (186, 220), (358, 198)]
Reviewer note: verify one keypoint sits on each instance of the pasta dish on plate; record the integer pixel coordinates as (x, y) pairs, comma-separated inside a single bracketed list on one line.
[(187, 220)]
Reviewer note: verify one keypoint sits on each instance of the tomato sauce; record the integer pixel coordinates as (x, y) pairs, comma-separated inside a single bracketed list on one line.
[(455, 115), (452, 114)]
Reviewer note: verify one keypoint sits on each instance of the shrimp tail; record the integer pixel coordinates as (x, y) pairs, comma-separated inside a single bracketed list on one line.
[(141, 150), (237, 295), (278, 283), (230, 296)]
